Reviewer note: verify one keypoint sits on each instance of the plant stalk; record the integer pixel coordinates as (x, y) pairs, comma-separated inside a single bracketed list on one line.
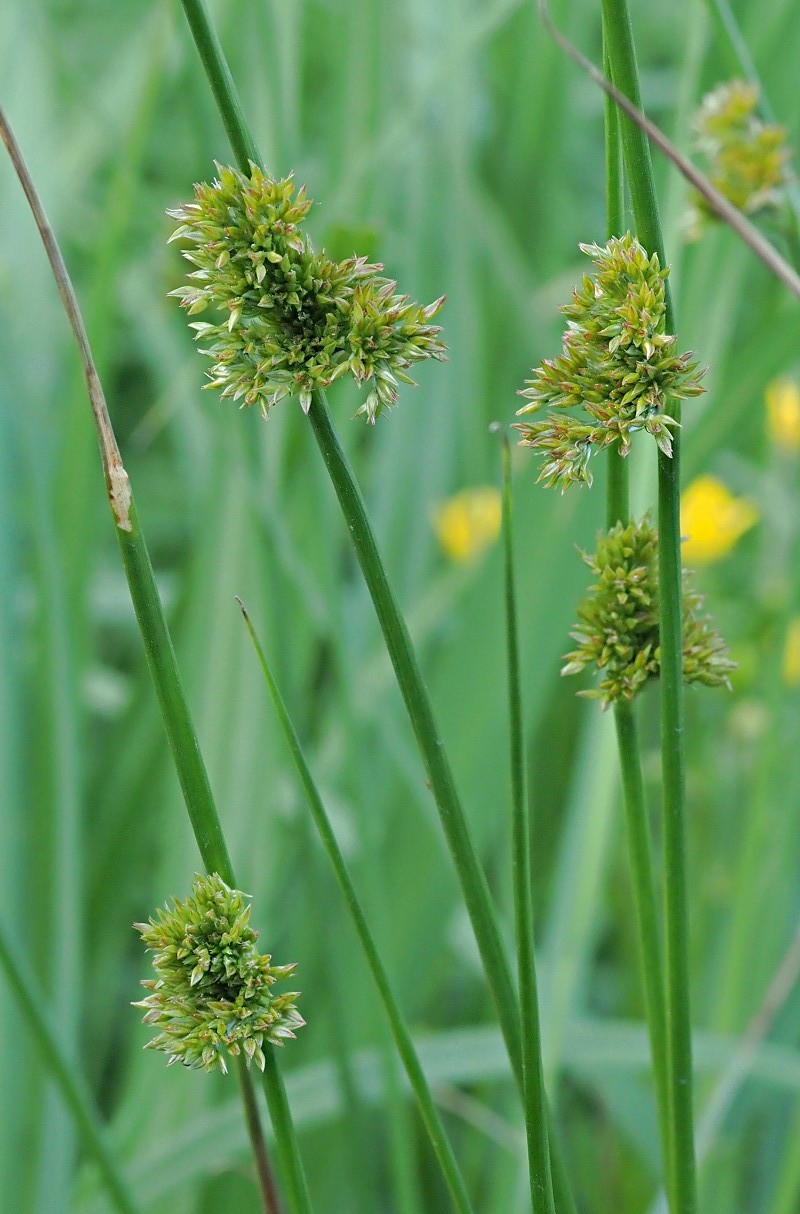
[(160, 656), (680, 1161), (399, 1029), (541, 1181), (637, 829), (471, 876)]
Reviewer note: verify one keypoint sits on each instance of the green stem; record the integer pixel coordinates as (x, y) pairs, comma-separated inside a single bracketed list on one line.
[(681, 1160), (645, 903), (615, 178), (415, 697), (75, 1093), (222, 86), (266, 1180), (152, 625), (400, 1033), (166, 678), (541, 1181), (637, 829), (207, 829), (471, 876)]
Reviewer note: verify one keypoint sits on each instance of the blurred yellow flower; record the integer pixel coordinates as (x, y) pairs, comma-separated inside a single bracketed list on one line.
[(469, 523), (791, 654), (712, 520), (783, 414)]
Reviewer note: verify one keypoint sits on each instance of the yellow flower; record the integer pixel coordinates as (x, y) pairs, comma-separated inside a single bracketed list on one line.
[(469, 523), (791, 654), (783, 414), (712, 520)]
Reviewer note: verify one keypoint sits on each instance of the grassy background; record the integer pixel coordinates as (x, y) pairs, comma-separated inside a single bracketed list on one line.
[(449, 140)]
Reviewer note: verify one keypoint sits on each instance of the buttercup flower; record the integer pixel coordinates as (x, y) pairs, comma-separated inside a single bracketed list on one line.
[(783, 414), (791, 654), (469, 523), (618, 366), (618, 621), (746, 157), (712, 520), (294, 319), (211, 995)]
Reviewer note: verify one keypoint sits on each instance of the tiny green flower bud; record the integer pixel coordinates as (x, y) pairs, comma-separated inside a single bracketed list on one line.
[(296, 319), (747, 158), (617, 365), (618, 621), (211, 994)]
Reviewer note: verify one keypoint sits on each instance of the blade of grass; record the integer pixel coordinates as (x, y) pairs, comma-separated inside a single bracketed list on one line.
[(400, 1033), (541, 1182), (71, 1084), (163, 667)]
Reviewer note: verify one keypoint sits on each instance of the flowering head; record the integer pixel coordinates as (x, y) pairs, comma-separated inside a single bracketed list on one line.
[(294, 320), (618, 367), (747, 158), (211, 995), (618, 621), (713, 520)]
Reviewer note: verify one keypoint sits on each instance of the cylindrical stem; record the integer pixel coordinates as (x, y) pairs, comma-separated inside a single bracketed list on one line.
[(266, 1180), (541, 1181), (681, 1163)]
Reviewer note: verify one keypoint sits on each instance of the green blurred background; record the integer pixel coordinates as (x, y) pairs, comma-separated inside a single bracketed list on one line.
[(450, 140)]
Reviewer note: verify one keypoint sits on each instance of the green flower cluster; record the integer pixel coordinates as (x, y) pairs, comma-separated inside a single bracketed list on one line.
[(296, 320), (211, 996), (746, 157), (618, 627), (617, 365)]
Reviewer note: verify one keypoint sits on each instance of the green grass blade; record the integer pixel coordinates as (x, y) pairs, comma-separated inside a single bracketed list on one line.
[(71, 1086), (532, 1069), (400, 1032)]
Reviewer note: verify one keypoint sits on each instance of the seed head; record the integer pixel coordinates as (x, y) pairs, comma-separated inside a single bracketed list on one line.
[(211, 995), (618, 621), (294, 320), (747, 158), (618, 367)]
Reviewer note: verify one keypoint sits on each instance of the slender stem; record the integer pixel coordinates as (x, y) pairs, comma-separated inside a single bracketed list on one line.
[(681, 1157), (71, 1085), (285, 1137), (471, 876), (637, 829), (541, 1180), (400, 1032), (177, 720), (645, 902), (155, 635), (221, 81), (615, 176), (719, 204), (266, 1180), (415, 696)]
